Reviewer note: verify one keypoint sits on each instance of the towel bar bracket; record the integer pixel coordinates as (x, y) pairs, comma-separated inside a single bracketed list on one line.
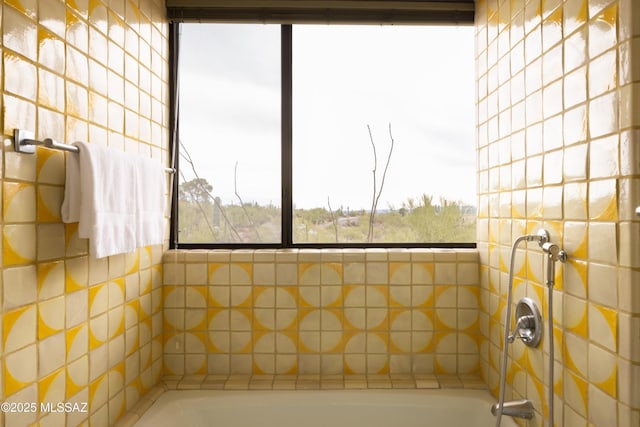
[(23, 141)]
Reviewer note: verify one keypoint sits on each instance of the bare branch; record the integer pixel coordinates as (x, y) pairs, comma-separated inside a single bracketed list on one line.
[(244, 209), (373, 199), (201, 208), (376, 197), (184, 153)]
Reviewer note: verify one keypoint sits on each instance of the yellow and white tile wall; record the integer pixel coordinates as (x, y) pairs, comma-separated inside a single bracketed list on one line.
[(321, 312), (558, 97), (77, 329), (558, 135)]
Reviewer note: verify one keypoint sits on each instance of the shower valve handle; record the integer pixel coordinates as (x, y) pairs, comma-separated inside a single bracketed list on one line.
[(525, 329)]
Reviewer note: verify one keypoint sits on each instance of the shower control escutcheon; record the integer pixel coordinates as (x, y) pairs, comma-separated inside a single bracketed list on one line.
[(528, 323)]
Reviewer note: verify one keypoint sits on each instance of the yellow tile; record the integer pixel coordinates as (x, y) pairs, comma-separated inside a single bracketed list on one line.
[(20, 369), (99, 331), (49, 203), (605, 411), (218, 274), (50, 241), (354, 296), (264, 274), (98, 15), (132, 314), (576, 354), (575, 15), (400, 296), (377, 273), (553, 201), (77, 65), (51, 317), (603, 200), (219, 296), (422, 273), (77, 376), (99, 391), (98, 300), (50, 279), (552, 28), (576, 320), (422, 320), (19, 31), (602, 30), (76, 32), (331, 273), (445, 296), (19, 328), (19, 202), (603, 114), (19, 114), (241, 274), (52, 387), (51, 91), (51, 123), (51, 354), (603, 324), (378, 364), (467, 320), (77, 341), (445, 364), (603, 370), (77, 101), (355, 318), (20, 76)]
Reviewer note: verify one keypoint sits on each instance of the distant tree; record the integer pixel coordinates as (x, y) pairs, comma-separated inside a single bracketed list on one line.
[(197, 190)]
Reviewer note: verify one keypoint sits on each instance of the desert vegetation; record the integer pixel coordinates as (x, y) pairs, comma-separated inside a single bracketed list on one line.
[(204, 219)]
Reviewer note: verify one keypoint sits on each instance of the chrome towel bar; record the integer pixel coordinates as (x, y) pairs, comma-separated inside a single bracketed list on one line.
[(24, 142)]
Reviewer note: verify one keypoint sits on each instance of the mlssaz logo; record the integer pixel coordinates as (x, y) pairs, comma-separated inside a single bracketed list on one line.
[(64, 407)]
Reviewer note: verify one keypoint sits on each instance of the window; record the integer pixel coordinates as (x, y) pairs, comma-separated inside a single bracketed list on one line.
[(325, 135)]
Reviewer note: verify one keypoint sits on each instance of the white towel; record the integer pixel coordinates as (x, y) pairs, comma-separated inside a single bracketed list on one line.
[(117, 198), (151, 184), (70, 209), (108, 207)]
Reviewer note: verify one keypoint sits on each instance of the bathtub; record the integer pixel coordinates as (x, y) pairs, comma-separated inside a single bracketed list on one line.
[(322, 408)]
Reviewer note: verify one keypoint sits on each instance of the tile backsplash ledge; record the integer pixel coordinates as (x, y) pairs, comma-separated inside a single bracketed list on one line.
[(322, 312)]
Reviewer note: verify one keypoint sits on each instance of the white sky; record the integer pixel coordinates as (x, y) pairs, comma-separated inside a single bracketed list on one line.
[(419, 79)]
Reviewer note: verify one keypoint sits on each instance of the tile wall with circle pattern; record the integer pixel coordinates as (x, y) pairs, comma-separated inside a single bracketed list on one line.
[(321, 312), (558, 138)]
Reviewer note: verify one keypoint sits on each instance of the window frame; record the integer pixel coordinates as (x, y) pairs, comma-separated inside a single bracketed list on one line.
[(286, 147)]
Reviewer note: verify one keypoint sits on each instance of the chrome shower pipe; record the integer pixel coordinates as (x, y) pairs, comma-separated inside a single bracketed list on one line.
[(542, 237), (554, 254)]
